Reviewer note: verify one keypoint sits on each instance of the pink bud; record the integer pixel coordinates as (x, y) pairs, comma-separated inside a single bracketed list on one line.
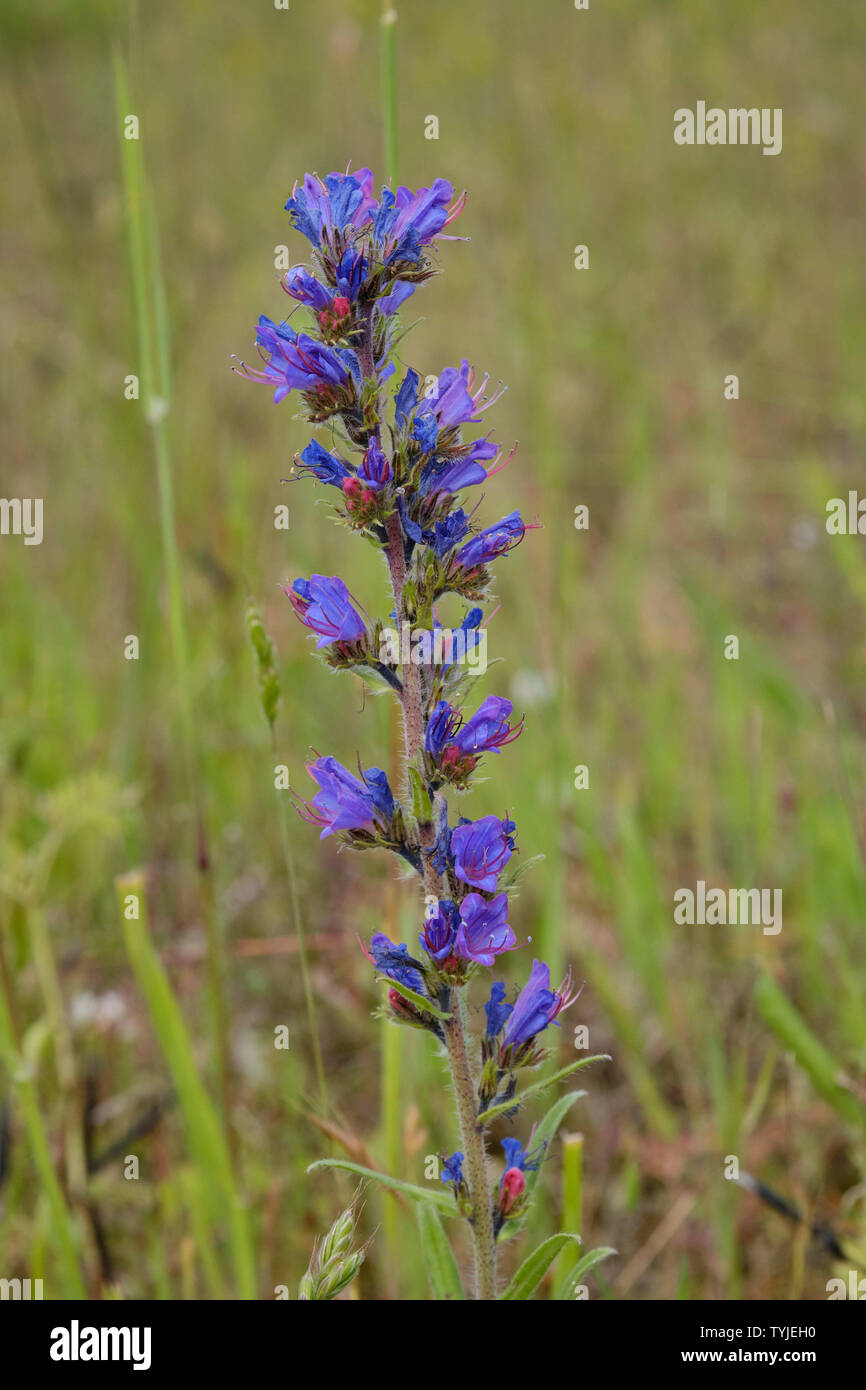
[(402, 1006), (511, 1190)]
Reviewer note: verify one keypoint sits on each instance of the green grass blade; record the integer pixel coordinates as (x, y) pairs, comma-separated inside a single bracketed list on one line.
[(62, 1226), (429, 1195), (569, 1286), (536, 1265), (206, 1137), (780, 1015), (439, 1258)]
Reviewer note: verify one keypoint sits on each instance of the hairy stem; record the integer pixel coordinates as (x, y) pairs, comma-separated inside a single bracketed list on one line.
[(455, 1035), (476, 1159), (411, 700)]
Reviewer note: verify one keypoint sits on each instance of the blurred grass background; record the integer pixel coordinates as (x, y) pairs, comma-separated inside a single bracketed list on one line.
[(706, 518)]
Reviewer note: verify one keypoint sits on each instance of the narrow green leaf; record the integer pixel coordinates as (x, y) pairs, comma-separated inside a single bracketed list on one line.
[(536, 1265), (546, 1130), (419, 1000), (502, 1107), (574, 1278), (439, 1258), (442, 1201), (421, 808), (206, 1138), (825, 1072)]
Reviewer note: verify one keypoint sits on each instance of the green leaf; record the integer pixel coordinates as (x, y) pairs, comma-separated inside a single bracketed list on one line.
[(419, 1000), (793, 1032), (569, 1285), (421, 808), (547, 1129), (536, 1265), (502, 1107), (438, 1257), (429, 1195)]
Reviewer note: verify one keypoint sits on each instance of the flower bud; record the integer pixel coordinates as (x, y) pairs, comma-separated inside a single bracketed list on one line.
[(402, 1007), (511, 1190)]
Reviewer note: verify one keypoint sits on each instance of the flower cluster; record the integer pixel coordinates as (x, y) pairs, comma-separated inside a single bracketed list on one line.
[(401, 465)]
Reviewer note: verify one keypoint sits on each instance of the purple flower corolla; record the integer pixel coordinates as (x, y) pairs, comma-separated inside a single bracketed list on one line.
[(321, 207), (395, 962), (350, 272), (440, 929), (456, 746), (481, 849), (450, 475), (406, 221), (375, 470), (537, 1006), (406, 398), (524, 1160), (344, 802), (323, 604), (299, 284), (452, 402), (464, 641), (452, 1169), (494, 541), (391, 302), (488, 729), (497, 1011), (295, 362), (327, 468), (449, 532), (441, 728), (484, 932)]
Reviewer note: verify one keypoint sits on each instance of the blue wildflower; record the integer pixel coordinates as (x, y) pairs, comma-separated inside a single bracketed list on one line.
[(452, 1169), (497, 1011), (464, 640), (494, 541), (394, 961), (522, 1159), (481, 850), (484, 932), (537, 1006), (323, 207), (323, 604), (441, 728), (327, 468), (344, 802), (449, 532), (425, 431), (406, 221), (375, 470), (440, 929), (488, 729), (295, 362), (406, 398), (299, 284), (397, 297)]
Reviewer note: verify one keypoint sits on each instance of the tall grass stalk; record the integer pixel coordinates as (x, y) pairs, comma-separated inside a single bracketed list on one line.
[(20, 1070), (388, 48), (298, 923), (154, 370), (64, 1053), (207, 1140)]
